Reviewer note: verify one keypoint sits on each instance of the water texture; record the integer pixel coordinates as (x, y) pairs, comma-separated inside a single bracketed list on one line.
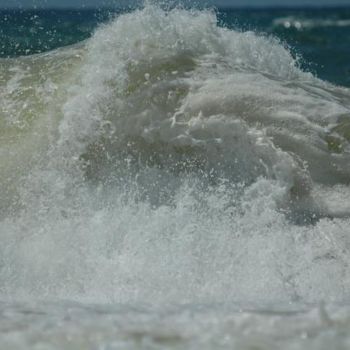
[(174, 181)]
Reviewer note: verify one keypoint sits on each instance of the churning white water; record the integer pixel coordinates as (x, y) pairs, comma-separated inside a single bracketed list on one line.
[(169, 184)]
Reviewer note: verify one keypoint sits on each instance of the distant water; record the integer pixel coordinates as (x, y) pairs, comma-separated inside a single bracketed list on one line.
[(175, 179), (320, 37)]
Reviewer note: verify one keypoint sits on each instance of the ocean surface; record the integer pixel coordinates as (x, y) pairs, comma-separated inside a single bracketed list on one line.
[(175, 179)]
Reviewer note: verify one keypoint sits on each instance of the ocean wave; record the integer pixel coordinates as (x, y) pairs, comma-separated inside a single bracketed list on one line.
[(164, 152), (180, 83)]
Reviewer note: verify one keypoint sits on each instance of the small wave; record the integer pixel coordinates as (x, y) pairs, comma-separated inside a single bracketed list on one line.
[(305, 23)]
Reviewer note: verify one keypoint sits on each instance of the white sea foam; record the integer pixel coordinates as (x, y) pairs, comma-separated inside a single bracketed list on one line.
[(170, 161)]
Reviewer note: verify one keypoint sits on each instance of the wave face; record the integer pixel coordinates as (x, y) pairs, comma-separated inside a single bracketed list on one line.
[(167, 159)]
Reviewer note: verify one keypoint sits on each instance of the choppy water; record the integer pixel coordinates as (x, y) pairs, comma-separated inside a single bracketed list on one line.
[(170, 183)]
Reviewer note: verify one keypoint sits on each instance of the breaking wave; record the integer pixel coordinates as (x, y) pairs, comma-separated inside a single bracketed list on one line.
[(169, 159)]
